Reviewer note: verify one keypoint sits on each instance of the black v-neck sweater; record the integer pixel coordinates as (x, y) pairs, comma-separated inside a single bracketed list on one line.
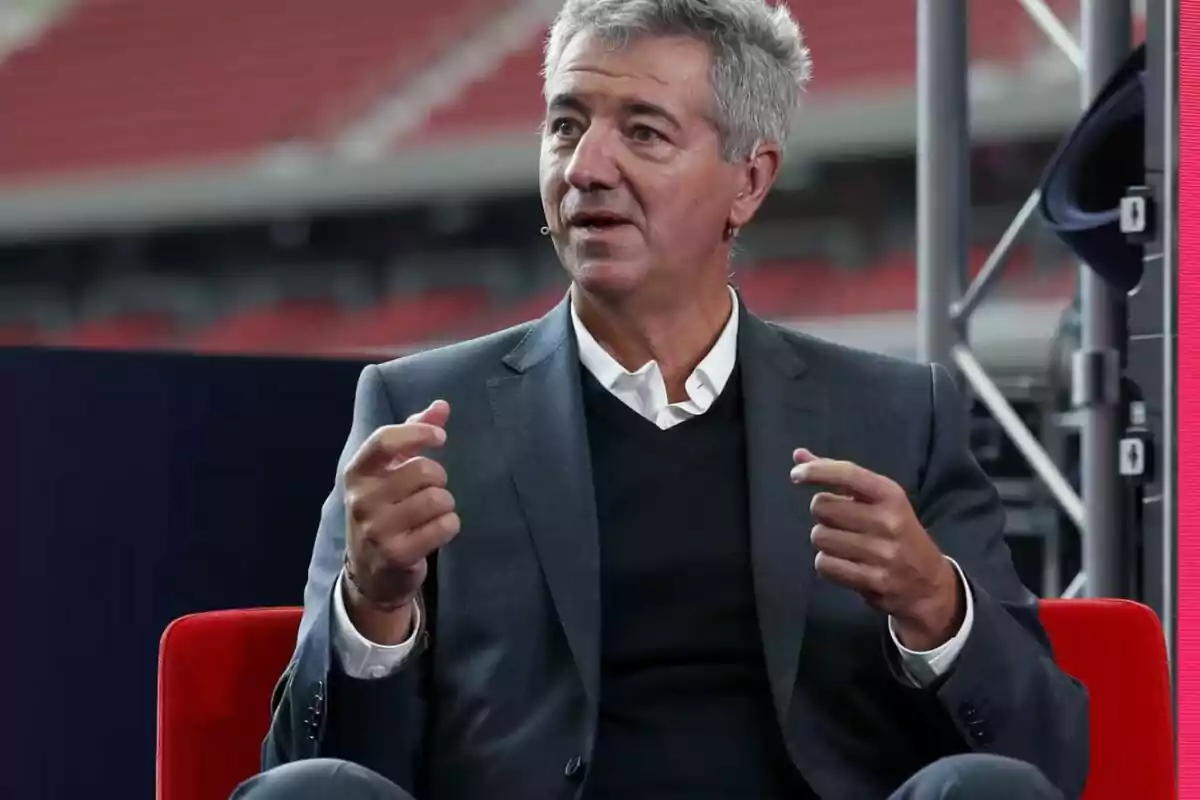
[(685, 708)]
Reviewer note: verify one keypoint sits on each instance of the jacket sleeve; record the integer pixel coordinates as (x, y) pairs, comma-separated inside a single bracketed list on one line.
[(1005, 694), (317, 711)]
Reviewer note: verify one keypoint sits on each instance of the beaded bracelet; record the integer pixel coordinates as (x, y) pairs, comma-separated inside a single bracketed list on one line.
[(381, 605)]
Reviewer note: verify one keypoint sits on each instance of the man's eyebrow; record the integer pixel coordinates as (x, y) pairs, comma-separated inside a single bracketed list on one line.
[(644, 108), (565, 101)]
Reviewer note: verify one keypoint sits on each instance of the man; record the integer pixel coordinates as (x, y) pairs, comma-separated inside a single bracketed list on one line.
[(650, 546)]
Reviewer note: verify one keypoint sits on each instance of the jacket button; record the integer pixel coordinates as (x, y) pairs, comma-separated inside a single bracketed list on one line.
[(980, 732), (574, 767)]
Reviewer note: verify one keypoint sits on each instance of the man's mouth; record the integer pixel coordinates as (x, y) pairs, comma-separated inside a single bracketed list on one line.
[(598, 221)]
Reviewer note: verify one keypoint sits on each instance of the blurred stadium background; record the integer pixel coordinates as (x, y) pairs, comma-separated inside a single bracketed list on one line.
[(358, 178)]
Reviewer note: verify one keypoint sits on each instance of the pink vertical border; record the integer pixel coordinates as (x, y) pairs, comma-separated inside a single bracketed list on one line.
[(1187, 653)]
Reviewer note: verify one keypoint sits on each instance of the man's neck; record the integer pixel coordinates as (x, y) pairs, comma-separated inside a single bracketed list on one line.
[(676, 337)]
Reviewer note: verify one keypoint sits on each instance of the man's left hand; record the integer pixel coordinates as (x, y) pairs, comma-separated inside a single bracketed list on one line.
[(868, 538)]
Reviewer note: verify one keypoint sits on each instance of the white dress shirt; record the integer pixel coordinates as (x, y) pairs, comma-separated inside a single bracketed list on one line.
[(645, 391)]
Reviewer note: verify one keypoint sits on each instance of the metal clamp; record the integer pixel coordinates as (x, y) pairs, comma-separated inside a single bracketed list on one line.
[(1095, 378), (1138, 214), (1135, 452), (1135, 457)]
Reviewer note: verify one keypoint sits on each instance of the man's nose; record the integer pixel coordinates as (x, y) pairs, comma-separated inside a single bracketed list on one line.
[(593, 165)]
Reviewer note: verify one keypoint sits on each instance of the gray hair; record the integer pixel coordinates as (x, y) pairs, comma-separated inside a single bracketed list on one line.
[(760, 62)]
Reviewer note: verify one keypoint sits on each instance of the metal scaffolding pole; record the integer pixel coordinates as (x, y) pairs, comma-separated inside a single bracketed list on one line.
[(943, 202), (1105, 33), (1170, 189), (943, 194)]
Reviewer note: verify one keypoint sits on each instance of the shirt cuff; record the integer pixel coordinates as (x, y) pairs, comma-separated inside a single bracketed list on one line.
[(923, 668), (361, 658)]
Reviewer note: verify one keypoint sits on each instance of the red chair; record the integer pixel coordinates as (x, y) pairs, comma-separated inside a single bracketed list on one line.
[(217, 671), (1117, 648)]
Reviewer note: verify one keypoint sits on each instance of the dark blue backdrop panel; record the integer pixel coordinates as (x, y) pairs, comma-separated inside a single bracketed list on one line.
[(135, 488)]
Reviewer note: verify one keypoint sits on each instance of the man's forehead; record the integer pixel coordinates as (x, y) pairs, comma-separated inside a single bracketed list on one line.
[(665, 71)]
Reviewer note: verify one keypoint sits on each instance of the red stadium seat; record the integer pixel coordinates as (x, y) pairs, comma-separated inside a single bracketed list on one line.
[(217, 671), (531, 307), (403, 319), (129, 331), (857, 45), (133, 84), (19, 335), (282, 328)]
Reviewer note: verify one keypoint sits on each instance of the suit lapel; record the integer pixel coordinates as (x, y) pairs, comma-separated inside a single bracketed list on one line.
[(540, 417), (539, 413), (784, 411)]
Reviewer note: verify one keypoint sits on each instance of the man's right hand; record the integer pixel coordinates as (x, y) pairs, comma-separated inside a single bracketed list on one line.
[(398, 511)]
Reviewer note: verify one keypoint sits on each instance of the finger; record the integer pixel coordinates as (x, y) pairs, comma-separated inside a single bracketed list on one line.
[(396, 443), (409, 478), (839, 511), (437, 413), (414, 511), (862, 578), (802, 455), (413, 545), (848, 545), (366, 495), (844, 476)]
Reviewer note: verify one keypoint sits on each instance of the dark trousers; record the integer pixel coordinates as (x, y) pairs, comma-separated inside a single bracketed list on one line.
[(964, 777)]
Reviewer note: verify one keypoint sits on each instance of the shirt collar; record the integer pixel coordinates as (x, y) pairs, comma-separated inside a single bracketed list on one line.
[(708, 379)]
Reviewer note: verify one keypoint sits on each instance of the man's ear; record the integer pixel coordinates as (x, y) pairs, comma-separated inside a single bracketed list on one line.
[(758, 175)]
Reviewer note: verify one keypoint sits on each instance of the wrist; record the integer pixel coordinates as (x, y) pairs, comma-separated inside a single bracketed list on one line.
[(385, 625), (934, 620)]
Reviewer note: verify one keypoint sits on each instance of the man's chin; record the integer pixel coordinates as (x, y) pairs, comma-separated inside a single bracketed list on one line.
[(605, 277)]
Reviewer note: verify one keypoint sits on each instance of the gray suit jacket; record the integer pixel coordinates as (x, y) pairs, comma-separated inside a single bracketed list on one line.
[(500, 699)]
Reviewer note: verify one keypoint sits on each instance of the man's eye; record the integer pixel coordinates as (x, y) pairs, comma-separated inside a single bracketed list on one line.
[(563, 127), (644, 133)]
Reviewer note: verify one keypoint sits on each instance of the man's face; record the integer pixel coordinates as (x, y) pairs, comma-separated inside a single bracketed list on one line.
[(634, 188)]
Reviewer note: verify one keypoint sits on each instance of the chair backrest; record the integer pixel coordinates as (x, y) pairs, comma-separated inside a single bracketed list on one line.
[(216, 672), (1118, 650)]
